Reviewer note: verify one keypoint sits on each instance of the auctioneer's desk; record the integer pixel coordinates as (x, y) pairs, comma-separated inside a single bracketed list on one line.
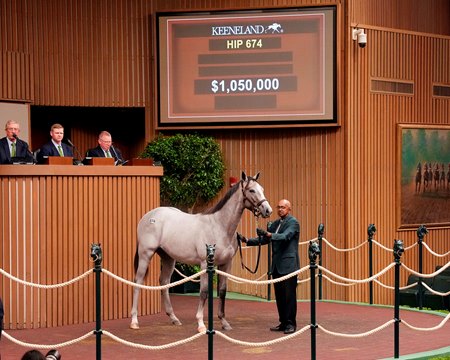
[(50, 216)]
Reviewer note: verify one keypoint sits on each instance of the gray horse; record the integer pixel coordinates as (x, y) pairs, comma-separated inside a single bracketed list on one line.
[(178, 236)]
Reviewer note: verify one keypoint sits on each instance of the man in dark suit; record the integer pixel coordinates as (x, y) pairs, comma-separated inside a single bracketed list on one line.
[(106, 149), (12, 148), (55, 147), (284, 235)]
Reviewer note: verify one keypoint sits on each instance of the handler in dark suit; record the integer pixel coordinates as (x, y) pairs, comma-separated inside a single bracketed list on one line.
[(105, 148), (55, 147), (284, 235), (11, 147)]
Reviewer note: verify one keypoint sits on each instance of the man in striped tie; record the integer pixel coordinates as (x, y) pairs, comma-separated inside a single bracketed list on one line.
[(55, 147)]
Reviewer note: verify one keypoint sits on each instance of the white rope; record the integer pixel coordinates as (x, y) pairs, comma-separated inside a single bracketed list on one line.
[(185, 276), (344, 250), (264, 282), (161, 287), (367, 333), (337, 283), (264, 343), (440, 325), (41, 286), (437, 272), (41, 346), (381, 246), (357, 281), (435, 254), (434, 291), (240, 282), (410, 247), (151, 347)]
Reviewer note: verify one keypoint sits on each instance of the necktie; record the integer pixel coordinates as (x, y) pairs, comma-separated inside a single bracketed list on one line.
[(108, 154), (13, 149), (60, 150), (278, 228)]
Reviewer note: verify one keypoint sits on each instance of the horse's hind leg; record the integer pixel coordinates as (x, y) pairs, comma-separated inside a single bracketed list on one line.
[(222, 290), (141, 271), (167, 266)]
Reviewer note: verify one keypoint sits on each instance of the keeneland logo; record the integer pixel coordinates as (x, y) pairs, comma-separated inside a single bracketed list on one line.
[(246, 30)]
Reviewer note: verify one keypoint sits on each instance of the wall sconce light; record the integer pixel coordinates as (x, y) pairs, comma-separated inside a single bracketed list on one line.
[(360, 35)]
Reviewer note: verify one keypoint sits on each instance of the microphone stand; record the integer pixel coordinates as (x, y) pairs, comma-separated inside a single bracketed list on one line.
[(78, 161), (34, 160), (119, 160)]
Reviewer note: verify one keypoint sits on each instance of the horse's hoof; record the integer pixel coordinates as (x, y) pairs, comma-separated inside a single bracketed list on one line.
[(134, 326), (201, 329), (176, 322), (227, 327)]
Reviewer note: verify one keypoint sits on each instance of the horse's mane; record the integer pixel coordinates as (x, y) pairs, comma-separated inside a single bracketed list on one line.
[(224, 200)]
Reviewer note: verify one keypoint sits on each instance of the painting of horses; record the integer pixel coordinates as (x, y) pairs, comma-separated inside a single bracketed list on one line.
[(424, 180)]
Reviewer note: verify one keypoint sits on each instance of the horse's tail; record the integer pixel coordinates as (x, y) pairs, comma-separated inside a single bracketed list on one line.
[(136, 262)]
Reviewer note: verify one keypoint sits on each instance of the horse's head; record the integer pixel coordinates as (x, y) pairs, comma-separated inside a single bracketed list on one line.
[(398, 249), (254, 199)]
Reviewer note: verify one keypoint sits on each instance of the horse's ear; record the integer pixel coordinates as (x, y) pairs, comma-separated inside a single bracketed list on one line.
[(243, 176), (256, 177)]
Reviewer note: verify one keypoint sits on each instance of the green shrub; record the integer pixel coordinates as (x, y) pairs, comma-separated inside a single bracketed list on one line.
[(193, 169)]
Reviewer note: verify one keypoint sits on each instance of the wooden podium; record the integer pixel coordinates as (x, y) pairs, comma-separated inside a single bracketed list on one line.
[(58, 160), (139, 162), (51, 215), (98, 161)]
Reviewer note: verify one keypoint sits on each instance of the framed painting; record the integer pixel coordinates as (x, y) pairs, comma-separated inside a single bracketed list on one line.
[(423, 176)]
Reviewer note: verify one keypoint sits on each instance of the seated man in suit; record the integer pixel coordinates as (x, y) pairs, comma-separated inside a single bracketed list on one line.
[(106, 149), (55, 147), (13, 149)]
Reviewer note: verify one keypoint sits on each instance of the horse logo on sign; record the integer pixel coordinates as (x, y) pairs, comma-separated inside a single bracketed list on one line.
[(275, 28)]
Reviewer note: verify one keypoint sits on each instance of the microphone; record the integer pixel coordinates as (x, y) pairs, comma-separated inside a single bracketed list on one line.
[(77, 161), (119, 161), (30, 157)]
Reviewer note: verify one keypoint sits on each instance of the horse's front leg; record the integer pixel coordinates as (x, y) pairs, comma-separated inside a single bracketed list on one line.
[(222, 290), (201, 304)]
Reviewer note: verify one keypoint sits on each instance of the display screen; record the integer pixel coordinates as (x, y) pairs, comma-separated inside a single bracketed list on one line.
[(247, 68)]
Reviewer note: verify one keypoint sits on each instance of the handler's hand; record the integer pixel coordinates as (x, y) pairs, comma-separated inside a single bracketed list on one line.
[(241, 238), (261, 232)]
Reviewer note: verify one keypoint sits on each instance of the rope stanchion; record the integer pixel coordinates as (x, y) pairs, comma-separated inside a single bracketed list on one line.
[(397, 251)]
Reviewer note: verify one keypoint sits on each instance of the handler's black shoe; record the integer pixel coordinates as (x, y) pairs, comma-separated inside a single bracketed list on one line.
[(279, 327), (290, 329)]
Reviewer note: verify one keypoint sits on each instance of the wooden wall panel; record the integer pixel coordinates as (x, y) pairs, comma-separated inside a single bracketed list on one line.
[(83, 53), (48, 225), (371, 126)]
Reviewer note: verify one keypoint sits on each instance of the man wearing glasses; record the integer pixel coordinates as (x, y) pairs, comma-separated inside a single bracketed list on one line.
[(13, 149), (105, 148)]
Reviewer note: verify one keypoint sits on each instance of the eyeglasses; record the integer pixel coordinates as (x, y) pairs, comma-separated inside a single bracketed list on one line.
[(106, 141), (12, 128)]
